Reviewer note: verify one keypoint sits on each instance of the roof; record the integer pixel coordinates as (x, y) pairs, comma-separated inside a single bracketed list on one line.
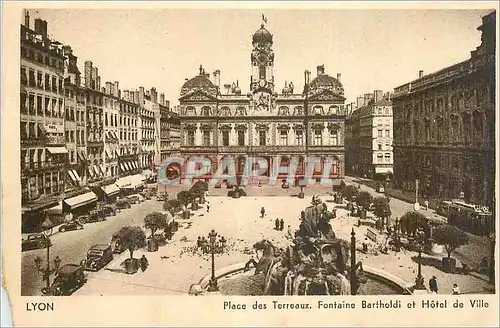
[(324, 81), (100, 247), (198, 82), (262, 35), (383, 102), (68, 269)]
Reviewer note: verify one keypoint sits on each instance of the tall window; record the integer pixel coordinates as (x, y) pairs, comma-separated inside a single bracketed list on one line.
[(241, 138), (318, 138), (379, 147), (262, 138), (283, 137), (334, 137), (387, 157), (190, 138), (206, 138), (379, 133), (380, 158), (299, 137), (225, 138), (387, 133)]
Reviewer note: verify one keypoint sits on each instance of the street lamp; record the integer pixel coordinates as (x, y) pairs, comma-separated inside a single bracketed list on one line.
[(354, 278), (47, 226), (419, 280), (214, 248)]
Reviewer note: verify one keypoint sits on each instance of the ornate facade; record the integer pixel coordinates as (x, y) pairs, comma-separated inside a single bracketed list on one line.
[(444, 127), (217, 123)]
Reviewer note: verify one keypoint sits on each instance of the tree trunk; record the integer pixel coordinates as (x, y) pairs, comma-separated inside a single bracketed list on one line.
[(131, 251)]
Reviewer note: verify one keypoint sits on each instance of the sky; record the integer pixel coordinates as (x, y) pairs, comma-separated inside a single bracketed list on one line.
[(371, 49)]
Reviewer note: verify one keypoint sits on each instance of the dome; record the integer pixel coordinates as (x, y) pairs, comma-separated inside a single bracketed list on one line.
[(262, 36), (200, 82), (326, 82)]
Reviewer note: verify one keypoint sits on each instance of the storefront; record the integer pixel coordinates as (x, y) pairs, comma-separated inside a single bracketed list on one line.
[(80, 204), (131, 184)]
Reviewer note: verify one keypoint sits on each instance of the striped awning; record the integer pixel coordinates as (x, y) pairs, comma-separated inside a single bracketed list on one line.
[(122, 167), (91, 171), (77, 176), (127, 166), (72, 176)]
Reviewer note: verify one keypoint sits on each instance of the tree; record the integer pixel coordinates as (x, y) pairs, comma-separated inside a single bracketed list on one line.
[(381, 207), (172, 206), (132, 238), (350, 192), (199, 188), (185, 197), (364, 199), (450, 237), (155, 221), (411, 221)]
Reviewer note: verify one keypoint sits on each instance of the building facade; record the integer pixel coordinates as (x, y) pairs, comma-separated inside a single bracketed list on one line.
[(218, 122), (369, 138), (111, 95), (444, 127), (170, 129), (44, 156)]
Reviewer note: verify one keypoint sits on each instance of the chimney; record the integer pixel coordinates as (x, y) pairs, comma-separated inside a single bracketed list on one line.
[(378, 94), (216, 75), (320, 69), (126, 95), (154, 95), (88, 73), (360, 102), (108, 87), (353, 106), (162, 99), (348, 109), (41, 26), (367, 98), (140, 99), (136, 97), (93, 78), (420, 74), (338, 76), (27, 19), (117, 89)]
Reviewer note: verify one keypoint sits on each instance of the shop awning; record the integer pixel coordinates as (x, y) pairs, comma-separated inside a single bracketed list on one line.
[(77, 176), (135, 165), (55, 210), (90, 171), (72, 176), (108, 154), (57, 150), (80, 200), (127, 167), (147, 173), (111, 190), (123, 182), (122, 167)]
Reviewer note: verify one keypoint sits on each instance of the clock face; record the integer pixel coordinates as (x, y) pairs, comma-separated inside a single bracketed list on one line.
[(262, 59), (262, 83)]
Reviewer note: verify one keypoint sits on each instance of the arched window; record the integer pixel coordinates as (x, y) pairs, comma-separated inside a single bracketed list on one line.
[(190, 111), (225, 111), (299, 110), (283, 110), (317, 110), (333, 110), (206, 111), (241, 111)]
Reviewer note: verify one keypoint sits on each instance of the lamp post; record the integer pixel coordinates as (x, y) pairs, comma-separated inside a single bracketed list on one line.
[(212, 238), (354, 280), (47, 226), (419, 280)]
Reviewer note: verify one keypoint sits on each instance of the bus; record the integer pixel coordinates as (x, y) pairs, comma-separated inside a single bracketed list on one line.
[(476, 219)]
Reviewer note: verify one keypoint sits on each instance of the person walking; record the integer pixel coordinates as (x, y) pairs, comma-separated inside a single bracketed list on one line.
[(433, 285), (426, 203), (456, 290), (277, 224), (143, 263), (208, 207), (282, 225), (262, 212)]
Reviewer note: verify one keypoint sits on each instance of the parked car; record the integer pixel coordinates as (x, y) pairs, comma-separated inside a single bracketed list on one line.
[(134, 199), (97, 257), (122, 203), (93, 216), (380, 188), (146, 194), (443, 208), (71, 225), (162, 197), (109, 210), (69, 278), (35, 241)]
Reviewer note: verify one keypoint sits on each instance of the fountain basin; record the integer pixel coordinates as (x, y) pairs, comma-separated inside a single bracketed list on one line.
[(232, 280)]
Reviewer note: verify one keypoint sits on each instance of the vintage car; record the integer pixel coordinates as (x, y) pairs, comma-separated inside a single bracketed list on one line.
[(69, 278), (97, 257), (162, 197), (71, 225), (122, 203), (35, 241), (146, 194), (109, 210), (380, 188), (134, 199)]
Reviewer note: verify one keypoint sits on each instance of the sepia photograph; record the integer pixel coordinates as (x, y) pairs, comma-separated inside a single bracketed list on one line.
[(251, 151)]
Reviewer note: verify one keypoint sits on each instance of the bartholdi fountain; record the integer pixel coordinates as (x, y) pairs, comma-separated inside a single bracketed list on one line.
[(317, 263)]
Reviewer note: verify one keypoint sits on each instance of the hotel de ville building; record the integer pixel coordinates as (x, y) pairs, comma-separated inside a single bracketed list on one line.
[(225, 121)]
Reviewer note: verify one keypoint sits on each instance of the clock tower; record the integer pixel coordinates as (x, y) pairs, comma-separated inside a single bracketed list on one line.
[(262, 59)]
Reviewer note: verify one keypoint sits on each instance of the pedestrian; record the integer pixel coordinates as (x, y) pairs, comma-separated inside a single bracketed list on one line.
[(143, 263), (262, 212), (289, 234), (277, 224), (208, 207), (433, 285), (484, 265), (282, 225), (456, 290), (198, 242), (426, 203)]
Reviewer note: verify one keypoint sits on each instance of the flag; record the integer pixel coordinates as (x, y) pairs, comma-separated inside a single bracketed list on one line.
[(264, 18)]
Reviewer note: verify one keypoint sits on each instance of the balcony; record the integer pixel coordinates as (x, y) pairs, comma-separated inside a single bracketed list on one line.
[(47, 165), (93, 143), (55, 140), (33, 142)]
